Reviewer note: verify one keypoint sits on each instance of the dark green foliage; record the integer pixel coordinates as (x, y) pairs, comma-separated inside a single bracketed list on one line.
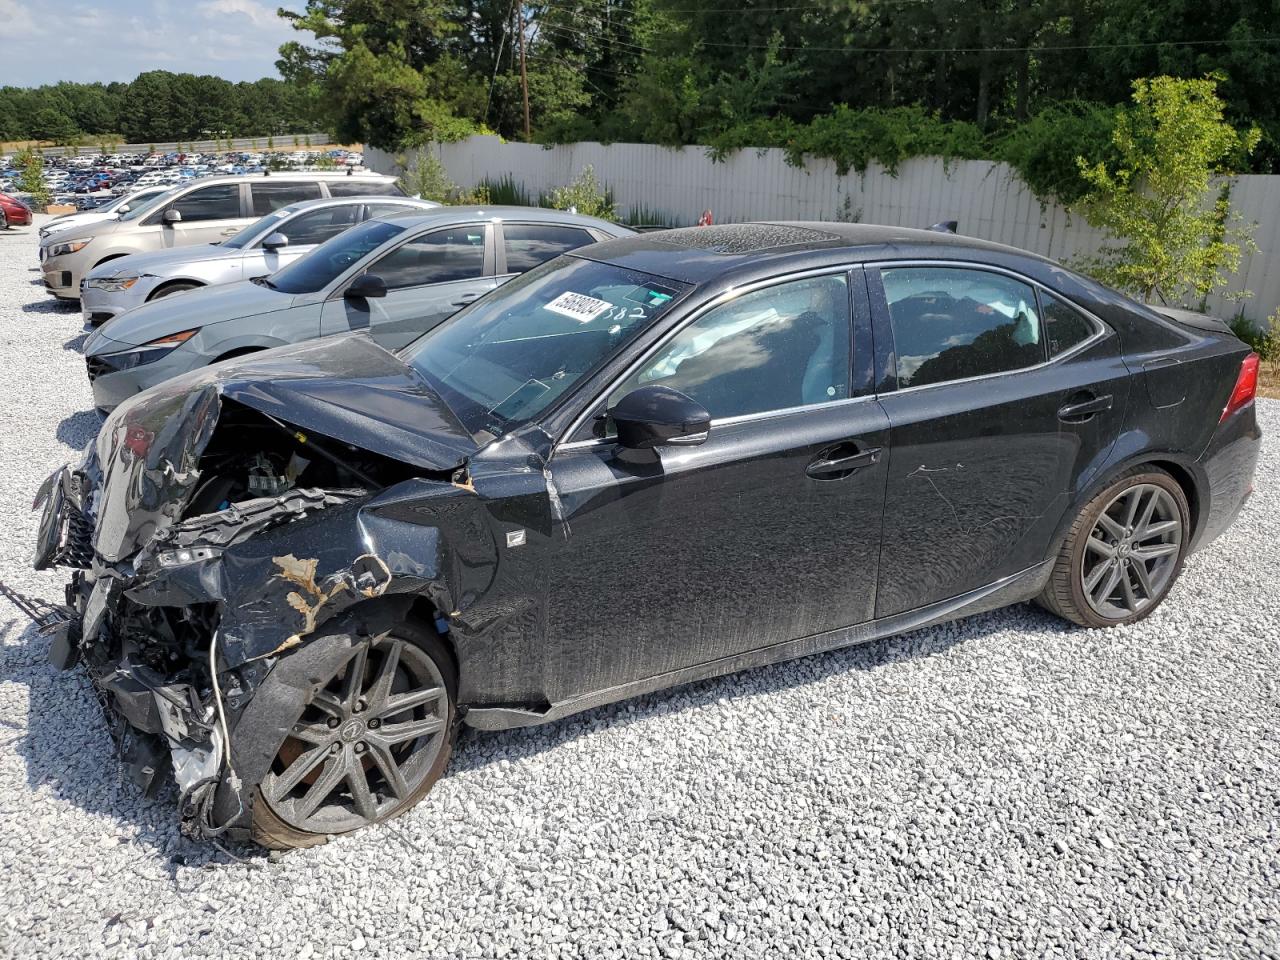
[(507, 192), (158, 106), (644, 216)]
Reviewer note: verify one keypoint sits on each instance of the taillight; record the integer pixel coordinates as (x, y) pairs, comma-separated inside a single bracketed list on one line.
[(1245, 388)]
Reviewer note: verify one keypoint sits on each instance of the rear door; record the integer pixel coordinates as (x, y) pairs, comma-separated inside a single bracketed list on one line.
[(1002, 401), (429, 277)]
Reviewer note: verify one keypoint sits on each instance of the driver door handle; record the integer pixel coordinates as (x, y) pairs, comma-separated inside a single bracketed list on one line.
[(825, 466), (1084, 408)]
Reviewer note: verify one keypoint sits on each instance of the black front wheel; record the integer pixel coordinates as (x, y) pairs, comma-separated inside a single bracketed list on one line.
[(1123, 553), (370, 744)]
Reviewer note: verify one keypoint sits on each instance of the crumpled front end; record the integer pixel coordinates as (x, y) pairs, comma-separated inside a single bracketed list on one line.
[(207, 540)]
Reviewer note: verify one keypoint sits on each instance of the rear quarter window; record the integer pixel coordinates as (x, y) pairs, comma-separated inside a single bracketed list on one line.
[(364, 188)]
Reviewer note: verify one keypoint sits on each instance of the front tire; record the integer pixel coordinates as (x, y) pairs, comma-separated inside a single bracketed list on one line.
[(1123, 552), (370, 744), (173, 288)]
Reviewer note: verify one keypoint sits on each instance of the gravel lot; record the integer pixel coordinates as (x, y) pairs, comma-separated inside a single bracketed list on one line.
[(1000, 787)]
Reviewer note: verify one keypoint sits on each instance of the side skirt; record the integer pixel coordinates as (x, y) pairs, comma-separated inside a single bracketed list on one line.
[(1012, 589)]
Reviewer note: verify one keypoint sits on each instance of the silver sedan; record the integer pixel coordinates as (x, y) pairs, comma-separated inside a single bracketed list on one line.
[(261, 248), (392, 278)]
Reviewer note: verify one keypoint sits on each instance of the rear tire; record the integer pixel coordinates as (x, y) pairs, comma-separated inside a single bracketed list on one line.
[(363, 752), (1123, 553)]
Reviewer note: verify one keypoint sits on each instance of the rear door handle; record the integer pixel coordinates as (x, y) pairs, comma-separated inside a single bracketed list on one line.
[(824, 467), (1083, 410), (465, 299)]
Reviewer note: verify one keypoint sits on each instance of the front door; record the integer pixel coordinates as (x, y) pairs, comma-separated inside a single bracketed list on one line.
[(1003, 406), (767, 532), (210, 214), (429, 278)]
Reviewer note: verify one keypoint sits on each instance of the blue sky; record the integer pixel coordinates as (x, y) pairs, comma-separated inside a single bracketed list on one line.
[(51, 40)]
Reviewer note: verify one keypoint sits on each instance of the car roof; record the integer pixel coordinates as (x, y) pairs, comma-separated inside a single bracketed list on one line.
[(480, 213), (699, 254), (409, 202)]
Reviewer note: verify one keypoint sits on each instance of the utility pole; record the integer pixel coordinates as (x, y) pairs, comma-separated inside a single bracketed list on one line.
[(524, 76)]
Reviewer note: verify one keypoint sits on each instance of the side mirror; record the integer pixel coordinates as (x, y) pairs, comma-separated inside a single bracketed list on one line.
[(171, 216), (366, 286), (122, 209), (659, 416), (275, 241)]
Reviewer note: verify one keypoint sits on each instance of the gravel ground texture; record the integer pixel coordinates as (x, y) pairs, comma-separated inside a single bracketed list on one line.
[(1005, 786)]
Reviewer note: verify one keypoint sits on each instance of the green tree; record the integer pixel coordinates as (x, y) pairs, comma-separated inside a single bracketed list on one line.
[(30, 164), (1169, 240)]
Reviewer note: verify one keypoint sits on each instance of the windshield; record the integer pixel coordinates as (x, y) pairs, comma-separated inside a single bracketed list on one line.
[(241, 239), (150, 203), (503, 361), (322, 265)]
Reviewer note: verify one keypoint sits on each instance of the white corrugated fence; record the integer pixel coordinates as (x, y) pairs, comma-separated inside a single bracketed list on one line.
[(988, 199)]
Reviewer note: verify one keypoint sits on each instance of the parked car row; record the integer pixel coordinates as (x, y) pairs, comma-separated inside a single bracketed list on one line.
[(202, 211), (511, 464), (88, 182)]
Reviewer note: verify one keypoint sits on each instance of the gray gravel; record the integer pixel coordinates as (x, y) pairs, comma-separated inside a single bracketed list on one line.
[(1001, 787)]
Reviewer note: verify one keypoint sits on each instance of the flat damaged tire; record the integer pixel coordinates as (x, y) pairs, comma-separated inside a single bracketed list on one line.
[(368, 746), (1123, 553)]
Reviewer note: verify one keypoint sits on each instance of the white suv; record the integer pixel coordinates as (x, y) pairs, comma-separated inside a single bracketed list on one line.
[(205, 210)]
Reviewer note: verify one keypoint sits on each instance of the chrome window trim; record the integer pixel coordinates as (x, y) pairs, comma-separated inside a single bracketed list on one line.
[(726, 297), (731, 421), (1100, 329)]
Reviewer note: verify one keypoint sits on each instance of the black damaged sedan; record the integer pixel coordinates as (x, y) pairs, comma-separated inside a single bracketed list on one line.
[(654, 460)]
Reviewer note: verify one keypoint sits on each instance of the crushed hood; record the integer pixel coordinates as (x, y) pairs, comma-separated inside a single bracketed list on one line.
[(345, 388)]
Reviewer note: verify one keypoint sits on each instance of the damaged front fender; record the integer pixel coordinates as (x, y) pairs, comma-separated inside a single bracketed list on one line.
[(276, 583)]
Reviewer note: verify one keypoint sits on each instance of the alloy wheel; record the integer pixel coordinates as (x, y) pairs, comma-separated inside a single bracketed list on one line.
[(365, 743), (1132, 551)]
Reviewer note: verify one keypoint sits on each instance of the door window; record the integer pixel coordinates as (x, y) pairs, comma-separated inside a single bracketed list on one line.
[(529, 244), (220, 201), (1065, 327), (364, 188), (317, 226), (782, 347), (389, 209), (456, 253), (952, 323), (273, 196)]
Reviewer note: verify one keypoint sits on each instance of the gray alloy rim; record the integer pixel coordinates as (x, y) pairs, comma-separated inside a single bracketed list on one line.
[(1132, 551), (365, 743)]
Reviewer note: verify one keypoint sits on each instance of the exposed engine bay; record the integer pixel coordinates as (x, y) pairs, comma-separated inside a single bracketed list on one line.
[(207, 539)]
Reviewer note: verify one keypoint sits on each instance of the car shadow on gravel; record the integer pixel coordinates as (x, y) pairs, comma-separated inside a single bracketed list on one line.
[(477, 748), (77, 430), (76, 343), (69, 753), (51, 306)]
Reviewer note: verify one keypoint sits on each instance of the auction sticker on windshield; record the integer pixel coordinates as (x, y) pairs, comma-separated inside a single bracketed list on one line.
[(579, 306)]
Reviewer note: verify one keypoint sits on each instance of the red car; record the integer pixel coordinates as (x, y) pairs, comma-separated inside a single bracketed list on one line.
[(13, 212)]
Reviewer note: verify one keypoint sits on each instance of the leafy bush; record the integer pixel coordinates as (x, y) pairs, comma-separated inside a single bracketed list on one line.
[(30, 163), (506, 191), (425, 176), (853, 139), (1168, 241), (1045, 148), (585, 195), (644, 216)]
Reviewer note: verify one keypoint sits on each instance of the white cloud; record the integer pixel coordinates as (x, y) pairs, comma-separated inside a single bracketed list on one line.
[(257, 14), (17, 18)]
